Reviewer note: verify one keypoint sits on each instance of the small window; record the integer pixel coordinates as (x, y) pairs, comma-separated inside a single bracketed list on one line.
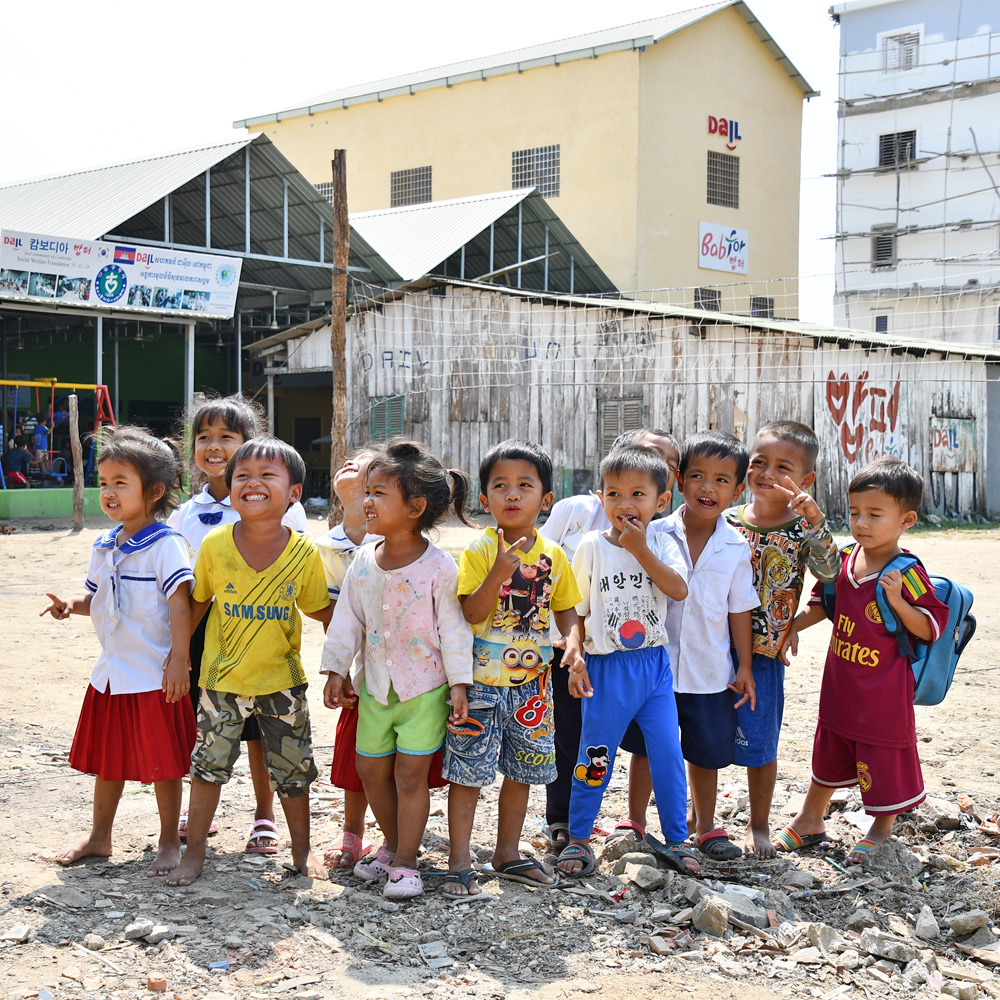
[(409, 187), (387, 417), (897, 147), (616, 416), (538, 167), (326, 190), (900, 52), (883, 250), (882, 324), (762, 306), (307, 430), (723, 180), (709, 299)]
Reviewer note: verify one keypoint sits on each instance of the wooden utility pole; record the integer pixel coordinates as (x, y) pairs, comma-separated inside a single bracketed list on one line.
[(338, 322), (78, 470)]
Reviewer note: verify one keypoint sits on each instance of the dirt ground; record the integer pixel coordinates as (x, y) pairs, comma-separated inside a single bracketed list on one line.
[(285, 935)]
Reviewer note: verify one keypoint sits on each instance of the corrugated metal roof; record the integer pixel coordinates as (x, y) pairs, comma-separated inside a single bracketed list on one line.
[(125, 200), (588, 46), (416, 240), (90, 203)]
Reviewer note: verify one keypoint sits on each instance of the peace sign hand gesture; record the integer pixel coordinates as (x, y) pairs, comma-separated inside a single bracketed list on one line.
[(799, 501), (508, 559)]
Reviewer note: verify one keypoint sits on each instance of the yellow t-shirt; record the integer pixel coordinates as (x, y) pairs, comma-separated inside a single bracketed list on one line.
[(254, 630), (512, 644)]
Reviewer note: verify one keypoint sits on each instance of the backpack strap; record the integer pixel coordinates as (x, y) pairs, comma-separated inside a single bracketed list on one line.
[(901, 562), (828, 588)]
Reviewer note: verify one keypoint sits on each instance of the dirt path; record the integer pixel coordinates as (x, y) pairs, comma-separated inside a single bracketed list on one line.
[(286, 936)]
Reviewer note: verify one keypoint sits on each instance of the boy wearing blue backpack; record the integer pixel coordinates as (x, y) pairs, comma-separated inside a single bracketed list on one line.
[(866, 734)]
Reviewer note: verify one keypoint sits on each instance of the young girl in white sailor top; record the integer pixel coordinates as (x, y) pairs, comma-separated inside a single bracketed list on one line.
[(219, 427), (137, 723)]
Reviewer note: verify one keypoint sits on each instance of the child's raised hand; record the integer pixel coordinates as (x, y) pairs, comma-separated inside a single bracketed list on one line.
[(459, 705), (332, 691), (507, 560), (579, 683), (633, 535), (799, 501), (744, 685), (59, 609)]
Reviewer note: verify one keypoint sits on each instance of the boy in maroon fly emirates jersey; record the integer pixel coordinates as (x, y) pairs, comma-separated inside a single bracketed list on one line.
[(866, 733)]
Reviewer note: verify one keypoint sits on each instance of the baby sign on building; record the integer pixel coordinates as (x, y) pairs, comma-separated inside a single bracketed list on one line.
[(57, 269), (723, 248)]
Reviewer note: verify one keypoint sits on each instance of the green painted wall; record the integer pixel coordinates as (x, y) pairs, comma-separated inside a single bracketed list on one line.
[(46, 503)]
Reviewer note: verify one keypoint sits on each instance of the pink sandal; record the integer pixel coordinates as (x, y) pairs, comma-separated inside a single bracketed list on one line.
[(263, 838), (182, 827), (374, 866), (403, 883), (351, 847)]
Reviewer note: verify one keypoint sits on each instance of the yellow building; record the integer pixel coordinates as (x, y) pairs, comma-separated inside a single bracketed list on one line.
[(670, 148)]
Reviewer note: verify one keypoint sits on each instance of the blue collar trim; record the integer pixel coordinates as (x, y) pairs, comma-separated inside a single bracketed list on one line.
[(140, 540)]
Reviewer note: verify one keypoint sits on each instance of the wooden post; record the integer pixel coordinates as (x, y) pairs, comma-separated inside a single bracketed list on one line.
[(78, 469), (338, 322)]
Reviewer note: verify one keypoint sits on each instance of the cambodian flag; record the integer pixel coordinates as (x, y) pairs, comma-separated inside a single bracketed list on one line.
[(124, 255)]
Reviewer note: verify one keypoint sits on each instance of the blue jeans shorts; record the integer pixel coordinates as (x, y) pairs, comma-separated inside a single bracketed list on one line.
[(517, 738), (758, 731)]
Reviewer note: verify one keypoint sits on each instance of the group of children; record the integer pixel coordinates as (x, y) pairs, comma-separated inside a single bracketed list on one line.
[(617, 625)]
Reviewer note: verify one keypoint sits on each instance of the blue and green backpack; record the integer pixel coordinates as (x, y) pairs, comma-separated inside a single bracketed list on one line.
[(933, 663)]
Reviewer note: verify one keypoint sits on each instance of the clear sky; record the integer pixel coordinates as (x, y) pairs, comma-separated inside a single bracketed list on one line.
[(87, 86)]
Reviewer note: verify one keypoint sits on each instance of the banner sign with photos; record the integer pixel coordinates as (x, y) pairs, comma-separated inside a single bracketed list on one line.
[(58, 270)]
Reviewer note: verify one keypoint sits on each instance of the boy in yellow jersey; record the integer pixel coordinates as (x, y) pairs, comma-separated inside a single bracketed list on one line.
[(261, 576)]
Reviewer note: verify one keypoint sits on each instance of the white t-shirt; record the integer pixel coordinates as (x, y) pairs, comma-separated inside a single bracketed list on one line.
[(195, 518), (623, 608), (131, 586), (337, 552), (571, 519), (719, 583)]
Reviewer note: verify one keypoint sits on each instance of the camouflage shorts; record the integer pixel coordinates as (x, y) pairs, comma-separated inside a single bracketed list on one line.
[(285, 734)]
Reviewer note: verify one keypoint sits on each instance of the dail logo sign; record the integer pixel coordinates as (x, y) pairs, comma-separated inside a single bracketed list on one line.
[(727, 128)]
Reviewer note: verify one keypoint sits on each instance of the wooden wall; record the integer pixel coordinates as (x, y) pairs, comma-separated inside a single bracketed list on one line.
[(477, 367)]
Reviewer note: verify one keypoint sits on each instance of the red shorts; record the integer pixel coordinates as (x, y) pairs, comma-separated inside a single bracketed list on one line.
[(344, 772), (889, 777), (133, 737)]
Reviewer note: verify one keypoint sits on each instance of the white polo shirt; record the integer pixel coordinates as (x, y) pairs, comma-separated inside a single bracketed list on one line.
[(719, 584), (131, 585), (199, 515), (337, 552)]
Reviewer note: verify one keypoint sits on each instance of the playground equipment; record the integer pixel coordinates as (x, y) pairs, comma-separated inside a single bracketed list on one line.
[(103, 414)]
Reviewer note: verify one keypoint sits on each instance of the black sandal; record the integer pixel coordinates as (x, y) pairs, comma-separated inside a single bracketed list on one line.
[(558, 834), (464, 876)]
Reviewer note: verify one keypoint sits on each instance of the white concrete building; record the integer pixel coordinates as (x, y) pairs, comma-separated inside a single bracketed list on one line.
[(918, 172)]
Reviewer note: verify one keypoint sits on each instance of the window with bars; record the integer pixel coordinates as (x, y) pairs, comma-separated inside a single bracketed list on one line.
[(709, 299), (538, 167), (883, 249), (723, 180), (762, 306), (882, 323), (900, 52), (409, 187), (897, 147), (326, 190), (616, 416), (388, 417)]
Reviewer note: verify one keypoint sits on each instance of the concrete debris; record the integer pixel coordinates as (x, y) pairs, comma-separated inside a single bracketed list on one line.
[(711, 915), (876, 942), (633, 858), (966, 923), (926, 926)]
